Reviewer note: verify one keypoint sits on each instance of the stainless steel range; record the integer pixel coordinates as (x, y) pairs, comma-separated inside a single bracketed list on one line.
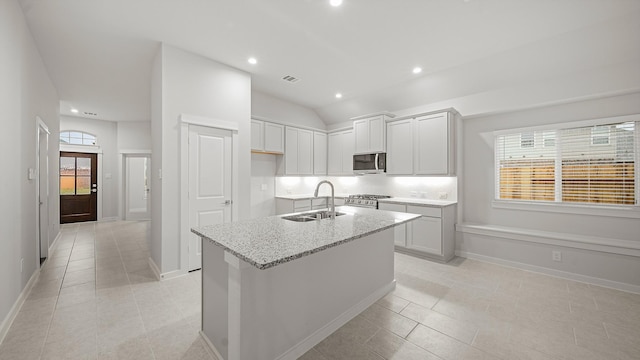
[(364, 200)]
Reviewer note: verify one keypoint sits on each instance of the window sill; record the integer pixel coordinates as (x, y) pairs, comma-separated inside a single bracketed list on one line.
[(632, 212)]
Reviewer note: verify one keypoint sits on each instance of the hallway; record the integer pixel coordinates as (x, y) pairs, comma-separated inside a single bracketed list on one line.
[(96, 297)]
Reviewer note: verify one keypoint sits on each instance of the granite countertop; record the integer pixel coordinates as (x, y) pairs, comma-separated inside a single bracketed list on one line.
[(418, 201), (309, 196), (270, 241)]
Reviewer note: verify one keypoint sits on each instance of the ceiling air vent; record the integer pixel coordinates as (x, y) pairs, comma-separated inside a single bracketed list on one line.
[(290, 79), (90, 113)]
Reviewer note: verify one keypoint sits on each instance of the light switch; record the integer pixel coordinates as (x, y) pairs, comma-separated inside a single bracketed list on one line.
[(31, 174)]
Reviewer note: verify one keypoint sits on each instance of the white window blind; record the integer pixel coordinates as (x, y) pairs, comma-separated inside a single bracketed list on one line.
[(590, 164)]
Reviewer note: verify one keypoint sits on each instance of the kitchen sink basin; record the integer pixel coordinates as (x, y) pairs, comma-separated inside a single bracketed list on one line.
[(311, 216)]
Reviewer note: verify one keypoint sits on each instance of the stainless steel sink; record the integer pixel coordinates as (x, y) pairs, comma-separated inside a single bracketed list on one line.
[(311, 216)]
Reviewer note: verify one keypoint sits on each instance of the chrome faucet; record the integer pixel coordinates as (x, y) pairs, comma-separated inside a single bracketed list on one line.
[(333, 199)]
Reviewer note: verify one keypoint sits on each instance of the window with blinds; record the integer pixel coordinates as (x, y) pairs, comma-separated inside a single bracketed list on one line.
[(590, 164)]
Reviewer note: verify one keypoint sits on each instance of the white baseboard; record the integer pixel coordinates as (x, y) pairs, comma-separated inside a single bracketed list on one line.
[(53, 245), (154, 268), (15, 309), (110, 218), (552, 272), (209, 347), (164, 276), (312, 340)]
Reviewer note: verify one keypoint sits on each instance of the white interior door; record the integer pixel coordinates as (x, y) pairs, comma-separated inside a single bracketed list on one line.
[(210, 202), (137, 199), (43, 192)]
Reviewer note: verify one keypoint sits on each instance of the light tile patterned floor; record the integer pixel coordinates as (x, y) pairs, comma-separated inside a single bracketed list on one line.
[(96, 298)]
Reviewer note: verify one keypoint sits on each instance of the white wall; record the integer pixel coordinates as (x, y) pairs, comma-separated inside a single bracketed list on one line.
[(272, 108), (478, 192), (26, 91), (194, 85), (134, 135), (398, 186), (263, 169), (106, 138)]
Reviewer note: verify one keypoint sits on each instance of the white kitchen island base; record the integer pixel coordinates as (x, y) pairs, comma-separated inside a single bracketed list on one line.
[(283, 311)]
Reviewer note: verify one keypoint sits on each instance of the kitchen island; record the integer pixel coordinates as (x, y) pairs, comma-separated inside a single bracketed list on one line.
[(273, 288)]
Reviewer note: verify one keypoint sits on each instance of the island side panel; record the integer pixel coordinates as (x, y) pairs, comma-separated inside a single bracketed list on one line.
[(287, 309), (215, 274)]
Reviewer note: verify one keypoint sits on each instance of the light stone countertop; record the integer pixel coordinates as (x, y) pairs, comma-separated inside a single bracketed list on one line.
[(417, 201), (308, 196), (270, 241)]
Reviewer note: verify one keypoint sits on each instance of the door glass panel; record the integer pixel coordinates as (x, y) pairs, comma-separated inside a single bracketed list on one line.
[(84, 167), (67, 175), (83, 185)]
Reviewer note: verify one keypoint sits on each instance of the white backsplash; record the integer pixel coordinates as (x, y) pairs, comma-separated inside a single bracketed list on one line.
[(433, 188)]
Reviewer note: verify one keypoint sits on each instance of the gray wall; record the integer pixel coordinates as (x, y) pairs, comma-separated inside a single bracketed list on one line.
[(193, 85), (26, 91), (478, 193)]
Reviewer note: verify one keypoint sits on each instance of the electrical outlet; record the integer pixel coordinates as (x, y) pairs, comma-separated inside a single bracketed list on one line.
[(443, 195), (556, 256), (21, 264), (413, 194)]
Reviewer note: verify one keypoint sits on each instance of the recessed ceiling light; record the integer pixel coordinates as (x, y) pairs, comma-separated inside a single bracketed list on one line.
[(252, 61), (417, 70), (75, 111), (338, 96), (335, 2)]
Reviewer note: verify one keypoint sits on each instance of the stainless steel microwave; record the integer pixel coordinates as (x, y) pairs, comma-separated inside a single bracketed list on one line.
[(370, 163)]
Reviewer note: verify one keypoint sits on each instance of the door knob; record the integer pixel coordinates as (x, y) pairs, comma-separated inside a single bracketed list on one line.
[(226, 202)]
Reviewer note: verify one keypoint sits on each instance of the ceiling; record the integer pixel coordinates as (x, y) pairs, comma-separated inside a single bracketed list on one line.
[(99, 53)]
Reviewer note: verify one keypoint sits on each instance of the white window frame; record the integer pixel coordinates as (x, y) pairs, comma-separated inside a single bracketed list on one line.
[(622, 211), (95, 138)]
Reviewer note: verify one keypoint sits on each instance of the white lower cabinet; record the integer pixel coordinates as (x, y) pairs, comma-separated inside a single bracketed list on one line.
[(431, 236), (288, 206), (400, 231)]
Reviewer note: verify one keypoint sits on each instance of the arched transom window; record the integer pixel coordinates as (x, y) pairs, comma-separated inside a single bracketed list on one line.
[(77, 138)]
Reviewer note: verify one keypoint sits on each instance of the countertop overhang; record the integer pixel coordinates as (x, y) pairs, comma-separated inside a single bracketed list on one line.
[(270, 241)]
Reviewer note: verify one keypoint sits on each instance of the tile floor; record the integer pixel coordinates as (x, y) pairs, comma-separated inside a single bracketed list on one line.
[(96, 298)]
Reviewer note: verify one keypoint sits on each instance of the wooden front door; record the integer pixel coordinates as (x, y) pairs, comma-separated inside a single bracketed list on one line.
[(78, 187)]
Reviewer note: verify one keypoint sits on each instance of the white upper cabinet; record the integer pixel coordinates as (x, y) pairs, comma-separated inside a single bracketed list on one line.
[(298, 151), (319, 153), (273, 137), (370, 134), (400, 147), (434, 146), (422, 145), (340, 153), (257, 135), (267, 137)]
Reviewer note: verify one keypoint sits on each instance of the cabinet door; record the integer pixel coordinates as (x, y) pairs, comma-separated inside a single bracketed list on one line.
[(334, 153), (432, 145), (347, 152), (319, 153), (400, 231), (377, 130), (291, 151), (426, 235), (257, 135), (400, 147), (361, 136), (305, 152), (273, 137)]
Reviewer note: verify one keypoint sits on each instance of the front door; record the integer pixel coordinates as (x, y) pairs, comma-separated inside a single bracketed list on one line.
[(209, 183), (78, 187)]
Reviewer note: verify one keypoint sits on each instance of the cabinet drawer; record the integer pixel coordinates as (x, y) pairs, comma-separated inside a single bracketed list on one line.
[(393, 207), (302, 204), (425, 210)]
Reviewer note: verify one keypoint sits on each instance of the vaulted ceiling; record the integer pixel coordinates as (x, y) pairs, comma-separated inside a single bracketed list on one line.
[(99, 52)]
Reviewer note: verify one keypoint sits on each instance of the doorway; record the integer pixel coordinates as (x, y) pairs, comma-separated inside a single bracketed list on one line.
[(137, 202), (78, 187), (210, 176), (42, 188)]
